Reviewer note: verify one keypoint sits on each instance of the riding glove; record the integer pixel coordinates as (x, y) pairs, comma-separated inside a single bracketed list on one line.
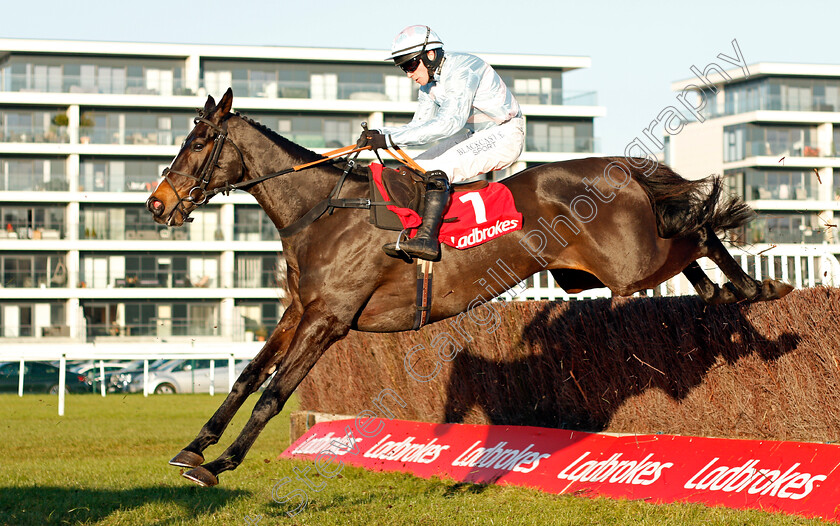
[(372, 138)]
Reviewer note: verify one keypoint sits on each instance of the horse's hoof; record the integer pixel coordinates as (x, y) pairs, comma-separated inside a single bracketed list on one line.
[(187, 459), (772, 289), (201, 476)]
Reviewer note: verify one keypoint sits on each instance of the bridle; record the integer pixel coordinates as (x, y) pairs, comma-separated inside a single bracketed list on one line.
[(198, 194)]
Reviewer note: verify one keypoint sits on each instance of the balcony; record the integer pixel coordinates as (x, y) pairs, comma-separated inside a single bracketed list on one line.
[(535, 143), (34, 134), (115, 85), (132, 136)]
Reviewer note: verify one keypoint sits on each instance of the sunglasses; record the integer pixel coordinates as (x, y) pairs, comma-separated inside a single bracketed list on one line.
[(411, 65)]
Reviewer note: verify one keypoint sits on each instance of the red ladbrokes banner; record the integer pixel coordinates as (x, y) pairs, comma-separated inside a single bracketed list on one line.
[(792, 477), (474, 217)]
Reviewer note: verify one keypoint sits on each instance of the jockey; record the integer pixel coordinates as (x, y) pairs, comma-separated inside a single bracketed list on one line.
[(463, 104)]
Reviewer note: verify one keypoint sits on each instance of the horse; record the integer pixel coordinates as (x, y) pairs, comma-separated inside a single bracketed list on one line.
[(338, 279)]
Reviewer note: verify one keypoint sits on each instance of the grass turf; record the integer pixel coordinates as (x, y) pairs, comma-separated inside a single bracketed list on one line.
[(105, 463)]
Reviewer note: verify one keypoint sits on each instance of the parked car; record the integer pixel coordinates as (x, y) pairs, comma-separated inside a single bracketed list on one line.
[(186, 376), (119, 381), (90, 369), (39, 377)]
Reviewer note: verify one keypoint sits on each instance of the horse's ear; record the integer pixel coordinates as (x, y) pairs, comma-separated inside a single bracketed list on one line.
[(225, 104), (209, 105)]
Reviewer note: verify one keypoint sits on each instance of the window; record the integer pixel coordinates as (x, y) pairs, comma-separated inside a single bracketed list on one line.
[(250, 223), (119, 176), (749, 140), (33, 270), (785, 227), (27, 174), (32, 222), (33, 319), (537, 87), (45, 126), (559, 136), (775, 184), (258, 319), (315, 131), (148, 318), (293, 80), (70, 74), (152, 128), (259, 271)]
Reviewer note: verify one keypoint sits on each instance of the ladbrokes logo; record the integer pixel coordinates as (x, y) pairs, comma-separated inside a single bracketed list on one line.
[(788, 485), (614, 470), (480, 235)]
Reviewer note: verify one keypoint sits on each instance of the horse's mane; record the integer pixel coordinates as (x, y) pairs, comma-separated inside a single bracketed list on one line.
[(291, 147), (359, 172)]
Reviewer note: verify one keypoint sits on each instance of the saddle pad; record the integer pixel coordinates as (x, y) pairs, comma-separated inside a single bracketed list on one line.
[(472, 218)]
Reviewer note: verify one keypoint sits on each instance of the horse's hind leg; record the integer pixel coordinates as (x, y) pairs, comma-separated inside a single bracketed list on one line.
[(745, 286), (707, 289), (252, 377), (317, 330)]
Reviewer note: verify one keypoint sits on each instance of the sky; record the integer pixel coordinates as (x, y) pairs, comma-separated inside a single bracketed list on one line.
[(637, 48)]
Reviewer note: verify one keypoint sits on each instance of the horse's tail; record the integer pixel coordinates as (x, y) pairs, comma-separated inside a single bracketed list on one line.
[(684, 207)]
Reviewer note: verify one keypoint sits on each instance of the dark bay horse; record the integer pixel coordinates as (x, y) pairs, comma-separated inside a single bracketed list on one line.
[(630, 238)]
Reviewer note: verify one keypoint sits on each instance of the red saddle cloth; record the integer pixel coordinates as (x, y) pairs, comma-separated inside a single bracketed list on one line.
[(472, 218)]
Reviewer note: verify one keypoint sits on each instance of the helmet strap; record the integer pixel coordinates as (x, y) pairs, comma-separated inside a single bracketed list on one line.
[(432, 64)]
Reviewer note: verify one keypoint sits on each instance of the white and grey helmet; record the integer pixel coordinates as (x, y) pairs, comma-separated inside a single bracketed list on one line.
[(413, 42)]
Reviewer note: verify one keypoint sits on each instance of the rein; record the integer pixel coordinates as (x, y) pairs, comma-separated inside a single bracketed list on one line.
[(202, 195)]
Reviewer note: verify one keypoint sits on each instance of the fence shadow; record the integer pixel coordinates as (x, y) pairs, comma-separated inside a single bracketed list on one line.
[(586, 359)]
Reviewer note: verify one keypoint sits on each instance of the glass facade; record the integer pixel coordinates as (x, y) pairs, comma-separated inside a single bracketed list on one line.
[(110, 270), (755, 183), (259, 270), (150, 318), (751, 140), (788, 227), (782, 94), (32, 221), (258, 318), (26, 270), (157, 128), (553, 135), (297, 80), (36, 126), (250, 223), (74, 74), (134, 222), (120, 175), (30, 319), (26, 174), (314, 130)]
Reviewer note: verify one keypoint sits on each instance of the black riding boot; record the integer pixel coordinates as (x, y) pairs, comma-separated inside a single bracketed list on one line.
[(425, 244)]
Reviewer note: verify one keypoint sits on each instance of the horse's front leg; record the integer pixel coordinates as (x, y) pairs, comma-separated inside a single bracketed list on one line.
[(252, 377), (318, 329)]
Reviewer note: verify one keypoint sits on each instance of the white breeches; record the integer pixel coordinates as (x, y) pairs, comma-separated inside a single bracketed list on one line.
[(465, 156)]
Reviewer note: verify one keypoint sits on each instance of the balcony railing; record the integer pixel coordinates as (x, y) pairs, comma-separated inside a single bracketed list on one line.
[(80, 84), (113, 135), (797, 149), (155, 328), (17, 230), (53, 134), (575, 145)]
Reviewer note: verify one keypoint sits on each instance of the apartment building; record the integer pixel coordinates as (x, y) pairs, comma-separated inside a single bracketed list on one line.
[(87, 127), (773, 131)]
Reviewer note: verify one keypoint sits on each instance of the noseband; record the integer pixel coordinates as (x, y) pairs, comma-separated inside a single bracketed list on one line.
[(198, 194)]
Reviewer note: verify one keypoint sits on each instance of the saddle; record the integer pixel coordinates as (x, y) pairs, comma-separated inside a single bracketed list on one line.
[(404, 189)]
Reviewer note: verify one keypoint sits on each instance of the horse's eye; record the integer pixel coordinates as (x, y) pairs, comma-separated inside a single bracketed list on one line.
[(197, 147)]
